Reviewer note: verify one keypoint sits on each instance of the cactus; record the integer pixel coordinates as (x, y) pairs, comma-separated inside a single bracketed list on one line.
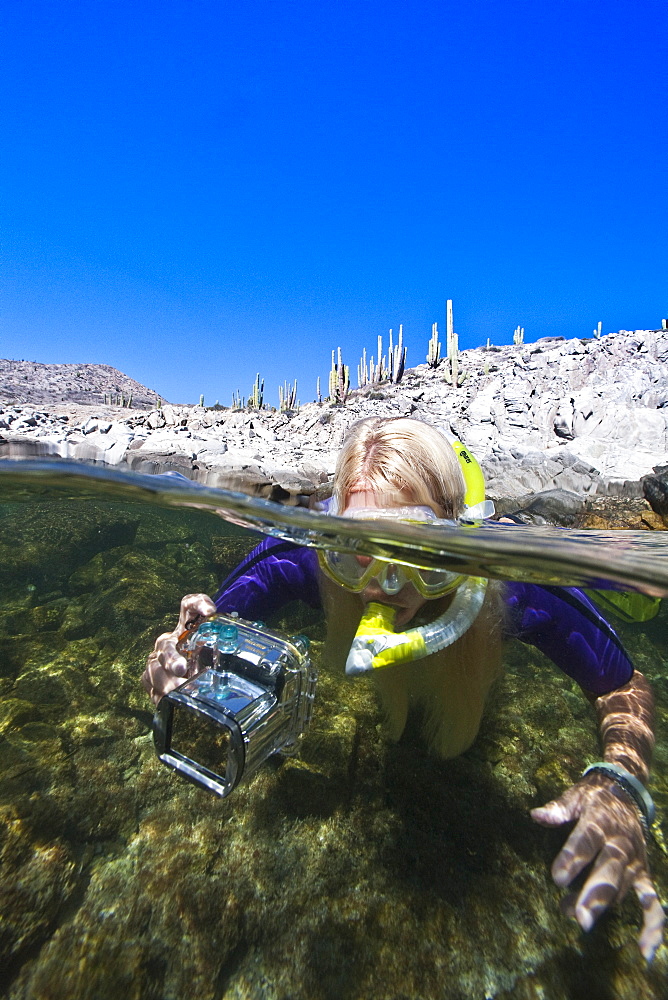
[(597, 331), (201, 400), (518, 336), (339, 380), (238, 401), (399, 365), (130, 402), (371, 372), (434, 351), (664, 324), (331, 389), (380, 373), (452, 340), (452, 375), (452, 344), (362, 371), (344, 383), (488, 345), (158, 403), (256, 398), (287, 394), (397, 356)]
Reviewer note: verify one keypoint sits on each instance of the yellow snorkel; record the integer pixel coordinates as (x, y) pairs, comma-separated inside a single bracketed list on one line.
[(376, 644), (473, 475)]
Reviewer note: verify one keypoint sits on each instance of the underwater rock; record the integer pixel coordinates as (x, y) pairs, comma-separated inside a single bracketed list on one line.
[(655, 490), (41, 545), (568, 510), (39, 686), (559, 507), (37, 878), (154, 463), (611, 513)]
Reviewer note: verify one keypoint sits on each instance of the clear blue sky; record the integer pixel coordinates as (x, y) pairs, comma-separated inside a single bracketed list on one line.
[(197, 190)]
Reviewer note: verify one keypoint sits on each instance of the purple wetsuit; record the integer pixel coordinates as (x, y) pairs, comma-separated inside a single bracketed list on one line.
[(560, 621)]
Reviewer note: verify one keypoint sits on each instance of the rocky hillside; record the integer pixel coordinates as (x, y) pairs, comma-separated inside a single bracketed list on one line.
[(589, 416), (55, 386)]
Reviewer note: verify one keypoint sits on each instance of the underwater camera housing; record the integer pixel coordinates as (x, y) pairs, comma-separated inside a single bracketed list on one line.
[(250, 695)]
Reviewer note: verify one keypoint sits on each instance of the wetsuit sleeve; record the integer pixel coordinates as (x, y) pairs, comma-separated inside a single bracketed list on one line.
[(565, 625), (273, 574)]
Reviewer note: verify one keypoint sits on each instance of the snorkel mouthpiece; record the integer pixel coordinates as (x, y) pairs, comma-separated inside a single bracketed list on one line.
[(376, 644)]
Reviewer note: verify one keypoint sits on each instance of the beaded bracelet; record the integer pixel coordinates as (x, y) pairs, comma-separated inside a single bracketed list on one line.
[(631, 785)]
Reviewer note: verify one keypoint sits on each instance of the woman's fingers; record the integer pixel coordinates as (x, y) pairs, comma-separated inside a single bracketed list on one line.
[(167, 654), (562, 810), (582, 845), (553, 813), (654, 916), (159, 681), (579, 850), (165, 667), (193, 608), (610, 878), (156, 680)]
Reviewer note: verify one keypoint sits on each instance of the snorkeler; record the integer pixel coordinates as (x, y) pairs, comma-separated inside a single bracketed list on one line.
[(403, 468)]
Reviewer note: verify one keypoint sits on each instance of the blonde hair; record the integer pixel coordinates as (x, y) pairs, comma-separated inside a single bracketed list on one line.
[(400, 455)]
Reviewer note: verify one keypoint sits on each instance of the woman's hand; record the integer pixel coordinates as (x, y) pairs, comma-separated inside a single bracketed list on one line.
[(609, 836), (166, 669)]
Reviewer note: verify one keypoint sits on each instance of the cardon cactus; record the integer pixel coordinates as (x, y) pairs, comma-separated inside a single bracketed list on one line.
[(287, 396), (256, 398), (434, 351), (339, 380), (452, 373), (391, 368)]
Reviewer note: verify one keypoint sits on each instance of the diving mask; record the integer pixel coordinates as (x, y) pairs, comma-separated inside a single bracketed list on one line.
[(355, 572)]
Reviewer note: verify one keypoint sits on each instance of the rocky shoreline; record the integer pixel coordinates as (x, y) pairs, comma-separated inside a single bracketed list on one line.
[(589, 416)]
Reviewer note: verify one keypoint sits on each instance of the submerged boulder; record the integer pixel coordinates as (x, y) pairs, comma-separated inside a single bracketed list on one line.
[(655, 490)]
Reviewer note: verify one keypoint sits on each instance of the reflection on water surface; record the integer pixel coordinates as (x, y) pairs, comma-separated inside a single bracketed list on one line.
[(359, 869)]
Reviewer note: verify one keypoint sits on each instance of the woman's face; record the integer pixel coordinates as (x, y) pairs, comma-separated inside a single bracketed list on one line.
[(408, 601)]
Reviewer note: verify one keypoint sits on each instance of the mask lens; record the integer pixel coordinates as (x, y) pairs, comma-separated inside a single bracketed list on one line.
[(435, 582), (343, 568)]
